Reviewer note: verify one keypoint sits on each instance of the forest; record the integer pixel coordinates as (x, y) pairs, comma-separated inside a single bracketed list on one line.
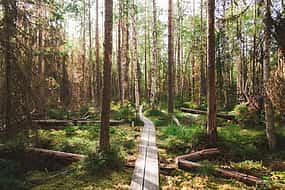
[(142, 94)]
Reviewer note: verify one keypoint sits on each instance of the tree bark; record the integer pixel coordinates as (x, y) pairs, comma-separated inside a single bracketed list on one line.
[(203, 91), (254, 49), (211, 122), (135, 58), (91, 65), (106, 96), (154, 57), (83, 90), (269, 113), (170, 57), (145, 52), (193, 62), (119, 56), (10, 60), (98, 72)]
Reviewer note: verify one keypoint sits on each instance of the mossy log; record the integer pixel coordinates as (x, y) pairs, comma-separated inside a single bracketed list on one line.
[(38, 154), (186, 162), (200, 112), (60, 124)]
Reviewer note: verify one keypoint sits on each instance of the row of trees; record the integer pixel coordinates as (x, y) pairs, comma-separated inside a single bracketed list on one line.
[(45, 67)]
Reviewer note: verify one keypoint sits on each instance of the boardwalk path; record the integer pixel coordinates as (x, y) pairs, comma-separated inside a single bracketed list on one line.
[(146, 172)]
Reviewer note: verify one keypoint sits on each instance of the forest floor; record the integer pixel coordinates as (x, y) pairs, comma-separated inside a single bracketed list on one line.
[(243, 149), (87, 174)]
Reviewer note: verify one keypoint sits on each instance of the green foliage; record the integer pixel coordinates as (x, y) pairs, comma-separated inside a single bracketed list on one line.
[(127, 112), (241, 144), (57, 114), (159, 118), (194, 105), (83, 139), (75, 139), (247, 165), (180, 140), (101, 162), (246, 117)]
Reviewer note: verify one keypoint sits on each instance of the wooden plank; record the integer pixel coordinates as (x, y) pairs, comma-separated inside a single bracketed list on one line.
[(138, 174), (146, 172), (151, 178)]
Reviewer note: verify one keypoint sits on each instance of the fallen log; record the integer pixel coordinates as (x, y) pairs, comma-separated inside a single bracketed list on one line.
[(176, 121), (200, 112), (199, 154), (60, 124), (186, 162), (38, 154), (69, 157)]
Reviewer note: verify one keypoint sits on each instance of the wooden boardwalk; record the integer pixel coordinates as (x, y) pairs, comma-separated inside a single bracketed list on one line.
[(146, 172)]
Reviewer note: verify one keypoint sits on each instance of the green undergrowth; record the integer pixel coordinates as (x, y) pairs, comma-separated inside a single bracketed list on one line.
[(242, 149), (98, 171), (80, 177), (83, 139), (159, 117)]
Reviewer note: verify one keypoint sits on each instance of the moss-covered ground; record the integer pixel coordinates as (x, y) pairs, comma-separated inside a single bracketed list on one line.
[(96, 172), (242, 149)]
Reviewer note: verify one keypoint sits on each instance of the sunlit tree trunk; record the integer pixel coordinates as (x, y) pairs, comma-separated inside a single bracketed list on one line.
[(97, 59), (91, 65), (269, 113), (135, 58), (193, 62), (154, 57), (145, 51), (83, 57), (106, 95), (254, 49), (170, 57), (203, 91), (125, 50), (119, 56)]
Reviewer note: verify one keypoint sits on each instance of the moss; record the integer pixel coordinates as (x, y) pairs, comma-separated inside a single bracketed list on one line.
[(80, 179)]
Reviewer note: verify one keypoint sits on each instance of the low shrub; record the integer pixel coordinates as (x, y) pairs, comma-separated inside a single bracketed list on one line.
[(246, 116), (100, 162)]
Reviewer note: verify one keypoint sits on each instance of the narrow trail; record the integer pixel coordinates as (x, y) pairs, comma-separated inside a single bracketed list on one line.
[(146, 172)]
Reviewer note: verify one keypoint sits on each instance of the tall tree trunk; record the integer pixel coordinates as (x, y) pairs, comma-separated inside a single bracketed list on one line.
[(41, 72), (98, 72), (106, 96), (211, 123), (125, 49), (178, 67), (154, 57), (254, 49), (193, 57), (91, 65), (269, 114), (83, 58), (119, 56), (203, 91), (135, 58), (170, 57), (9, 27), (145, 51)]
